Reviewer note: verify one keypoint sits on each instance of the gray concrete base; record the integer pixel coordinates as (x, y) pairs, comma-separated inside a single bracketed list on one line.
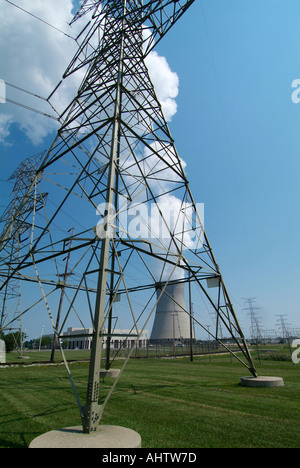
[(262, 381), (110, 373), (74, 437)]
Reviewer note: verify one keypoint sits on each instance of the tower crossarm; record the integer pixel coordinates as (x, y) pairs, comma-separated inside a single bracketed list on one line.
[(159, 16), (155, 16), (86, 7)]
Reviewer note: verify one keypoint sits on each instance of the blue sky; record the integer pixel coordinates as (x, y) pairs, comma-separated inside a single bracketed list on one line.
[(238, 130), (239, 133)]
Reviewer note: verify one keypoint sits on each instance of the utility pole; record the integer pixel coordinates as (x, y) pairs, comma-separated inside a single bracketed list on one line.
[(208, 335), (65, 275), (41, 338), (92, 410), (191, 320)]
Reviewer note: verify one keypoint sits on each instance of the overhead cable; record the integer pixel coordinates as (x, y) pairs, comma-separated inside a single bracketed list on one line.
[(29, 108), (31, 94), (40, 19), (25, 91)]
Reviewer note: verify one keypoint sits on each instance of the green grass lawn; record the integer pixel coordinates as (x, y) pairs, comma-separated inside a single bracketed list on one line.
[(172, 403), (30, 356)]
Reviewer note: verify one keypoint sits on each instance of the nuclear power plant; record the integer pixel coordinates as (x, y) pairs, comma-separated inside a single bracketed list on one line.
[(171, 322)]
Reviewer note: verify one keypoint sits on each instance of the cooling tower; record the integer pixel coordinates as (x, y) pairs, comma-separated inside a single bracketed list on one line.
[(171, 322)]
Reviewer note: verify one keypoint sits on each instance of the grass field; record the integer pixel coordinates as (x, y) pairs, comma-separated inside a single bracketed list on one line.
[(172, 403)]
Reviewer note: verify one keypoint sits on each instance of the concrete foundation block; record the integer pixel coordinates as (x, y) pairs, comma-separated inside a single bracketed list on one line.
[(110, 373), (262, 381), (74, 437)]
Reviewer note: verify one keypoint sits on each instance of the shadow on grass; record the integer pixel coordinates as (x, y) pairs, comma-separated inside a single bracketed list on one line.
[(22, 428)]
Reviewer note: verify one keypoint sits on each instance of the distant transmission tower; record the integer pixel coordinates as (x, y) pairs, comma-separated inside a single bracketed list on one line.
[(17, 226), (114, 169), (283, 326), (255, 332)]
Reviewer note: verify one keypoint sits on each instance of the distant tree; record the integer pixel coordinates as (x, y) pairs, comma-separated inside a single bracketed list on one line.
[(65, 344), (12, 341), (46, 342)]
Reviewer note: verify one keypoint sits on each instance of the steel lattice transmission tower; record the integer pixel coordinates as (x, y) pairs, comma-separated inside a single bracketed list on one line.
[(17, 225), (114, 156)]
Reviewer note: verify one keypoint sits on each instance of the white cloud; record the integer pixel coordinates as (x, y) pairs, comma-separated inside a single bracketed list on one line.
[(5, 122), (35, 56), (165, 81)]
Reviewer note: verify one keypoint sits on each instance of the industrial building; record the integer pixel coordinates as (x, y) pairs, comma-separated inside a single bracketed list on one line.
[(81, 338)]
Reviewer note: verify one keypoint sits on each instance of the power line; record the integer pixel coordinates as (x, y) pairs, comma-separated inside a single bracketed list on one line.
[(34, 95), (25, 91), (225, 126), (40, 19), (29, 108)]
